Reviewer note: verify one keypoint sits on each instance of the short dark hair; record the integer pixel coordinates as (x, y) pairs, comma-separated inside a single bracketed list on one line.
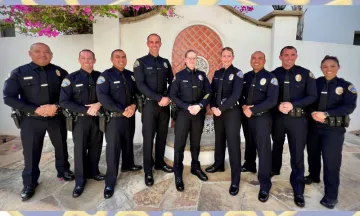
[(87, 50), (287, 47), (189, 51), (120, 50), (228, 49), (153, 34), (328, 57)]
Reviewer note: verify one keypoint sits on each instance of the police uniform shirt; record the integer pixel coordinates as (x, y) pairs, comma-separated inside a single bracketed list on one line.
[(27, 81), (190, 88), (146, 71), (302, 86), (265, 94), (231, 80), (111, 89), (75, 91)]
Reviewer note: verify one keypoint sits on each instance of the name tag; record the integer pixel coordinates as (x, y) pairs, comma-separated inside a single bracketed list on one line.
[(116, 82), (216, 78), (185, 81), (28, 78), (149, 68), (244, 82), (78, 85), (43, 85)]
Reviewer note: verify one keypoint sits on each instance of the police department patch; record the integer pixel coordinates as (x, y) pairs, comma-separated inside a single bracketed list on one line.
[(231, 77), (298, 77), (100, 80), (58, 73), (65, 82), (240, 74), (352, 89), (165, 65), (311, 75), (274, 81), (263, 81), (136, 64), (132, 77), (200, 77), (339, 90)]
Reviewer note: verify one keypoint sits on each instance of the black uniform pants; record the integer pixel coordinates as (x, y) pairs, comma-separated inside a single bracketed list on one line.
[(296, 131), (328, 142), (128, 149), (88, 141), (227, 129), (116, 136), (185, 124), (32, 133), (155, 120), (259, 132), (250, 147)]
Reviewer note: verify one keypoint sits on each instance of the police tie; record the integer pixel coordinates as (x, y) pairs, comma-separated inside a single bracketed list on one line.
[(194, 86), (159, 77), (219, 91), (92, 90), (249, 100), (323, 97), (44, 90), (127, 90), (286, 96)]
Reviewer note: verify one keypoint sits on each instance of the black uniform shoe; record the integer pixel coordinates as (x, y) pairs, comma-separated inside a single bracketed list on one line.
[(309, 180), (263, 196), (214, 169), (245, 169), (134, 168), (299, 200), (78, 190), (67, 176), (234, 190), (179, 184), (28, 192), (200, 174), (330, 204), (108, 192), (149, 180), (274, 173), (100, 177), (166, 168)]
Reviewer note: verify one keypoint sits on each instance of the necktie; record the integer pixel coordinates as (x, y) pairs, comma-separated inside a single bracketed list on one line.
[(219, 91), (323, 97), (44, 90), (92, 90), (194, 87), (249, 100), (127, 90), (286, 96), (160, 88)]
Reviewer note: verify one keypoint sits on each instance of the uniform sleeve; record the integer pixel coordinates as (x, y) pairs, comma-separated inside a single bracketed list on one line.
[(243, 92), (66, 97), (348, 105), (64, 74), (140, 82), (103, 95), (311, 93), (175, 91), (214, 90), (271, 97), (11, 92), (135, 90), (236, 93), (170, 77), (206, 99)]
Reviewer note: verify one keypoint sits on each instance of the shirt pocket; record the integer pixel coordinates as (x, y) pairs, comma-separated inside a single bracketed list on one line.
[(150, 71), (79, 88), (116, 86), (31, 86)]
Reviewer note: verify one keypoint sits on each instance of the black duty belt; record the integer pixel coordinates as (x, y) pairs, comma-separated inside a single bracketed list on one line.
[(115, 114), (37, 115), (337, 121), (297, 112), (259, 113)]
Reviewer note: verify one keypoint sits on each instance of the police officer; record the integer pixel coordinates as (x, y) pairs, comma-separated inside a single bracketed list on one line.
[(191, 92), (116, 91), (330, 115), (259, 96), (227, 86), (152, 74), (38, 84), (297, 90), (78, 95)]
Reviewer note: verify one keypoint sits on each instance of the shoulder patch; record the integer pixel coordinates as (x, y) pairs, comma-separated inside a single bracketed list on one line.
[(274, 81), (311, 75), (352, 89), (65, 82), (240, 74), (136, 64), (100, 80)]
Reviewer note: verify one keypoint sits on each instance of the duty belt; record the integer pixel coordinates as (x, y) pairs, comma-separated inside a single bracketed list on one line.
[(337, 121), (297, 112), (259, 113), (115, 114), (37, 115)]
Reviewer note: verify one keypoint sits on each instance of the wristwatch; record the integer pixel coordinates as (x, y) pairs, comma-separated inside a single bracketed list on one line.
[(201, 106), (326, 114)]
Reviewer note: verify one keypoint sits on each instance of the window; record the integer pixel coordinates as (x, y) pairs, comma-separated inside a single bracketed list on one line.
[(357, 38), (7, 32)]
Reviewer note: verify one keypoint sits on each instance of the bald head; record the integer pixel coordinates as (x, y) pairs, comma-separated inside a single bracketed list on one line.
[(257, 61), (40, 54)]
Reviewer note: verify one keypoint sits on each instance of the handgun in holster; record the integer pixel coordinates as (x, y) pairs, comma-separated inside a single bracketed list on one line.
[(69, 119), (140, 102), (104, 118), (346, 121), (173, 111), (16, 115)]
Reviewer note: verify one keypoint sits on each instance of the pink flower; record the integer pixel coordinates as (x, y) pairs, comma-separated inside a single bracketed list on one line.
[(171, 12), (87, 10), (8, 20), (91, 18)]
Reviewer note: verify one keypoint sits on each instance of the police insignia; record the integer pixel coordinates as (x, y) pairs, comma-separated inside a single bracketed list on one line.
[(339, 90), (263, 81), (240, 74), (100, 80), (231, 77), (352, 89), (200, 77), (311, 75), (58, 73), (298, 77), (274, 81), (206, 96), (65, 82), (165, 65), (136, 64), (132, 77)]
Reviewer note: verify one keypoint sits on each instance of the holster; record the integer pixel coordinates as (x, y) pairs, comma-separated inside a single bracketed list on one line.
[(140, 100), (104, 118), (16, 115), (173, 111), (69, 119)]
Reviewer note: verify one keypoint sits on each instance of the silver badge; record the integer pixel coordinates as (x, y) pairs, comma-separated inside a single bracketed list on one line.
[(231, 77), (200, 77), (298, 78), (339, 90), (263, 81), (165, 65)]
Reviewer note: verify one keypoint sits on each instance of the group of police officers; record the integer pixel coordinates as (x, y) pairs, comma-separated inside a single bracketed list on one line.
[(287, 101)]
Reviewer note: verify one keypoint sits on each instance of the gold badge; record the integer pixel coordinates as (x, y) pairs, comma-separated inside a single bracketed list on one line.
[(58, 73), (231, 77), (339, 90), (165, 65), (263, 81), (133, 78), (200, 77), (298, 78), (311, 75)]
